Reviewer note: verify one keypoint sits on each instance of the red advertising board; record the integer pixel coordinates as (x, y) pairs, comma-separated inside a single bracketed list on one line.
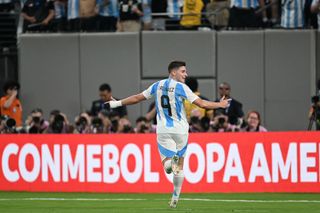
[(215, 162)]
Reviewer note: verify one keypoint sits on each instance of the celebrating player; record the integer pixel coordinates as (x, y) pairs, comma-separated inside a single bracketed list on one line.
[(172, 124)]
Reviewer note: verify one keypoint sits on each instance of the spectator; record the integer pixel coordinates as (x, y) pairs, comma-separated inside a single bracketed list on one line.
[(315, 8), (130, 13), (174, 7), (192, 19), (158, 6), (37, 15), (74, 15), (253, 121), (234, 111), (35, 122), (107, 15), (147, 18), (6, 5), (88, 15), (192, 83), (10, 104), (292, 15), (217, 13), (243, 16), (105, 94), (60, 20)]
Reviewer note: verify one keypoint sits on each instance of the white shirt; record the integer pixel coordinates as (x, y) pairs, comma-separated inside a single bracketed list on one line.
[(169, 95)]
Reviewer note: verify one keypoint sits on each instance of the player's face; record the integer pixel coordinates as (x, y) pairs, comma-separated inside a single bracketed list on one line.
[(105, 95), (181, 74)]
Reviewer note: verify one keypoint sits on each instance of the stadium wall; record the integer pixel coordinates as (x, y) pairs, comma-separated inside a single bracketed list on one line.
[(272, 71), (227, 162)]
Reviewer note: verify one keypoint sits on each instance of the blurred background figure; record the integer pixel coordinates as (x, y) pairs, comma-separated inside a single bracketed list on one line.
[(59, 123), (220, 123), (10, 104), (253, 122), (105, 94), (234, 111), (37, 15), (83, 123), (190, 108), (124, 126), (193, 9), (143, 126), (108, 14), (35, 122), (130, 13), (217, 13)]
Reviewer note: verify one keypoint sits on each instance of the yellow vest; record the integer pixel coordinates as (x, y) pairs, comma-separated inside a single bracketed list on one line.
[(191, 6)]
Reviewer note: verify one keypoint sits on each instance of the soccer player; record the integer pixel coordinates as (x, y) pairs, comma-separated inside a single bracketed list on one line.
[(172, 124)]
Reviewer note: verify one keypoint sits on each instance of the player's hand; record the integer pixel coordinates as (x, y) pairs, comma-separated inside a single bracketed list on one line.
[(225, 102), (114, 103)]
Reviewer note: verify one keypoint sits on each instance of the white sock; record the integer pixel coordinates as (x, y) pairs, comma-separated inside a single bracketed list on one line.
[(177, 184), (167, 166)]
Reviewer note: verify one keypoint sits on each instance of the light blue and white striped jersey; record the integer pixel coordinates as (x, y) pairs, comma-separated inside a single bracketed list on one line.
[(247, 4), (292, 13), (169, 95), (316, 2), (112, 9), (173, 7), (59, 9), (73, 9)]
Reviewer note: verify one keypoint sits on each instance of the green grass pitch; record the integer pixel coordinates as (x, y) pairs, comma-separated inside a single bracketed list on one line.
[(151, 203)]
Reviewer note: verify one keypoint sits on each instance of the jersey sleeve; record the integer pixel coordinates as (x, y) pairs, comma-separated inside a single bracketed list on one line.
[(149, 93), (189, 95)]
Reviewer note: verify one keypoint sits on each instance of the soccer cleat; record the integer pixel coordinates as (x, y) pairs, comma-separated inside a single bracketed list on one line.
[(173, 203), (174, 164)]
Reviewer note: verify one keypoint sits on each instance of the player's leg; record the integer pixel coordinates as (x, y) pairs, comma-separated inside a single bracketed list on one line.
[(167, 149), (178, 175)]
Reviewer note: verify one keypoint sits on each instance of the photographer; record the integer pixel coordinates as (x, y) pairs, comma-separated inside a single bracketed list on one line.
[(314, 113), (124, 126), (35, 122), (59, 123), (143, 126), (83, 123), (10, 105), (220, 124), (106, 122)]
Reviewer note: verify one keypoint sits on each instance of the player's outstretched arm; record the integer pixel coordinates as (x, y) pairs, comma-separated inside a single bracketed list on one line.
[(127, 101), (223, 103)]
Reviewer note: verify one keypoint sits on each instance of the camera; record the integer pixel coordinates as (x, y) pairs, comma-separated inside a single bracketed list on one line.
[(97, 125), (57, 124), (9, 124)]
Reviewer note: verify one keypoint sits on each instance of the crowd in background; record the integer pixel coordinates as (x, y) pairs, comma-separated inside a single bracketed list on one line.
[(136, 15), (103, 119)]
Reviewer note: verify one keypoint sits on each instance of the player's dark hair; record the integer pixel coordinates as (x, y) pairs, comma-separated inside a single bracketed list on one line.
[(104, 87), (175, 65), (192, 83)]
